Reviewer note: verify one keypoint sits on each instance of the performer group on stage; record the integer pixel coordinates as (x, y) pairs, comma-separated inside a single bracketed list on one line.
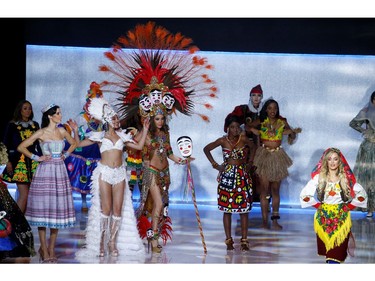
[(112, 146)]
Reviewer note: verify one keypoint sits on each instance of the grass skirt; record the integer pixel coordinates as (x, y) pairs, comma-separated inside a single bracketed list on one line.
[(272, 164)]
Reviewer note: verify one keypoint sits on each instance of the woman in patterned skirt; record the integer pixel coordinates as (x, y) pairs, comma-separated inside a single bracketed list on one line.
[(337, 193), (19, 168), (50, 202), (235, 185)]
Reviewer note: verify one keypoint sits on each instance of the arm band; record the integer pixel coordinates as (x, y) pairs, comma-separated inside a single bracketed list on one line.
[(182, 161), (66, 154), (34, 157)]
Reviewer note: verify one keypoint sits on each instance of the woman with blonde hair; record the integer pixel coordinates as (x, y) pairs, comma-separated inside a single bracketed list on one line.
[(337, 193)]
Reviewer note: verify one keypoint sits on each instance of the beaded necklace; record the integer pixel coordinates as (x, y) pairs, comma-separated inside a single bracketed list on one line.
[(157, 143)]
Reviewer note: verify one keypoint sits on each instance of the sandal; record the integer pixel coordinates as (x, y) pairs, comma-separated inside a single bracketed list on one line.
[(244, 245), (275, 216), (229, 242)]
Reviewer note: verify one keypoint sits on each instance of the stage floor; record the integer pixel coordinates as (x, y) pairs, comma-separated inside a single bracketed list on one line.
[(289, 252), (294, 243)]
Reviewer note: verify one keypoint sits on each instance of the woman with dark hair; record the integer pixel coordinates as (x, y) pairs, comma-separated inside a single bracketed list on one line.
[(111, 228), (364, 168), (20, 169), (235, 185), (156, 179), (50, 202), (271, 160), (337, 193)]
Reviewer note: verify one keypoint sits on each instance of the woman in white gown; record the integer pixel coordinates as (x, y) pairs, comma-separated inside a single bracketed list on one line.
[(111, 216)]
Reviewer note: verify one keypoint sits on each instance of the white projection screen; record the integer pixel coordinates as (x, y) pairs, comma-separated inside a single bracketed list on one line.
[(319, 93)]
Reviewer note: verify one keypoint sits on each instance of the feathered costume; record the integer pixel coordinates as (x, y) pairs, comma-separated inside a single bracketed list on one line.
[(147, 59), (129, 245)]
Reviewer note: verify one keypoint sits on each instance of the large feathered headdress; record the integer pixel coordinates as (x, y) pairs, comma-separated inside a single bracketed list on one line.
[(151, 58)]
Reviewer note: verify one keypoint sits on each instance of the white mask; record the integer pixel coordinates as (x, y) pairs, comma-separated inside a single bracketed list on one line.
[(185, 146)]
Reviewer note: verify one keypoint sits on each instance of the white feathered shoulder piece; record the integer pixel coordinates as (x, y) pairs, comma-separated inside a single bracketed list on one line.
[(101, 110), (125, 137), (96, 136)]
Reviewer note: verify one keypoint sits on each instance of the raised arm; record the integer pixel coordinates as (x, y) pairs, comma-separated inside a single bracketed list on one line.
[(139, 145), (79, 143)]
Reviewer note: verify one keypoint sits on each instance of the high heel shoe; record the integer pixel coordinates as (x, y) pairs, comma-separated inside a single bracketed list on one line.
[(42, 259), (157, 248), (244, 245), (229, 242), (152, 238), (112, 249), (52, 258)]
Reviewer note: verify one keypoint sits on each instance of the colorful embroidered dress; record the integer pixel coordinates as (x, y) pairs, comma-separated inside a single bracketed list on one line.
[(332, 221), (23, 167), (234, 193)]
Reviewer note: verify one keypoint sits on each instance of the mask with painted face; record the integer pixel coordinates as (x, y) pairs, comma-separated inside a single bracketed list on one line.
[(185, 146)]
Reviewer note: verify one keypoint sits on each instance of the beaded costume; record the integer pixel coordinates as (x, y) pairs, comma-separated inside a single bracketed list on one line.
[(155, 72)]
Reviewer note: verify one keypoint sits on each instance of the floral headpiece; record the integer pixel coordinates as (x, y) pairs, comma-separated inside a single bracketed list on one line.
[(47, 107), (157, 60)]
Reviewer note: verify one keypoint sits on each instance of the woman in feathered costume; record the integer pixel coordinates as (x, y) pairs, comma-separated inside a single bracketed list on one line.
[(111, 200), (160, 74)]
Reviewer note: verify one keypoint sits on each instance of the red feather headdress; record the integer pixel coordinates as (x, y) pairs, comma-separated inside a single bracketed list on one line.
[(150, 57)]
